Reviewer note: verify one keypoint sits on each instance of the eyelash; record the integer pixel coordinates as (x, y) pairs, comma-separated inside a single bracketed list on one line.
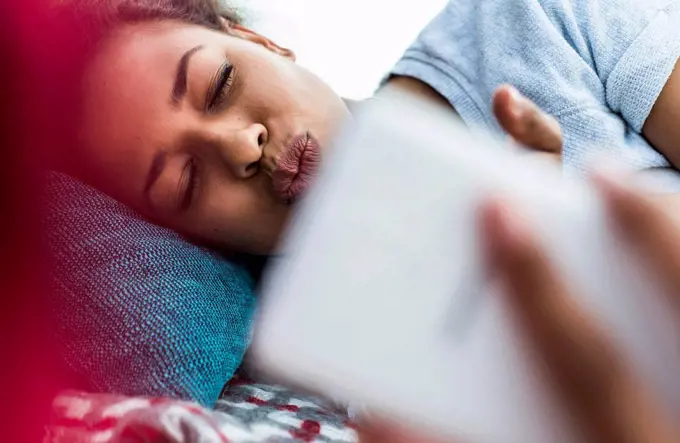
[(221, 86), (191, 174)]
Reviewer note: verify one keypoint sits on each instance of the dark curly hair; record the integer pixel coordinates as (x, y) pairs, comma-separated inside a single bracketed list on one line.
[(72, 31), (99, 16)]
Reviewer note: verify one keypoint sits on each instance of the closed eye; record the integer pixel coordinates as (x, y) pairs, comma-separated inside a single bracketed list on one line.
[(188, 183), (219, 86)]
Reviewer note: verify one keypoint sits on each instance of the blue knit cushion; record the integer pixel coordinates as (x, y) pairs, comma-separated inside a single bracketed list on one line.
[(139, 310)]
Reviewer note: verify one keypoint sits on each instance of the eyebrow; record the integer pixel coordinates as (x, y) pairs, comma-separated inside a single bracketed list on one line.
[(179, 88), (157, 166)]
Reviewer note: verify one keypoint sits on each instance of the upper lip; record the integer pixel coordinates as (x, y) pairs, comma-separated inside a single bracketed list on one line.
[(295, 166)]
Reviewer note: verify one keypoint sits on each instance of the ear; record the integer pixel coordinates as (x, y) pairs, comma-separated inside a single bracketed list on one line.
[(240, 31)]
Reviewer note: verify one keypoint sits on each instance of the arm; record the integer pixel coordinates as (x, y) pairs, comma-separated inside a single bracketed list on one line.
[(416, 87), (662, 128), (601, 67), (542, 133), (520, 118)]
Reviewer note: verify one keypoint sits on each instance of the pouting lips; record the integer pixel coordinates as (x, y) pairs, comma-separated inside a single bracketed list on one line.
[(296, 167)]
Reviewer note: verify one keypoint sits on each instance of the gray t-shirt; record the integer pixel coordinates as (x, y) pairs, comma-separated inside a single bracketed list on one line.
[(598, 66)]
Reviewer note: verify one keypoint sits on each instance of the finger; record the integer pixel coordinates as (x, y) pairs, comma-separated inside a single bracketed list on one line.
[(582, 366), (386, 431), (651, 231), (526, 122), (378, 434)]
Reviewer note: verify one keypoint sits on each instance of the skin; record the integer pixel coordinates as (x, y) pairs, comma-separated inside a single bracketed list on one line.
[(661, 128), (130, 117)]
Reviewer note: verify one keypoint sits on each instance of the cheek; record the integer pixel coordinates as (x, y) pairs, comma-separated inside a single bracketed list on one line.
[(275, 82), (240, 215)]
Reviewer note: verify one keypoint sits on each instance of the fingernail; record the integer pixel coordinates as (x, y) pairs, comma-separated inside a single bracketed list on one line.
[(518, 102)]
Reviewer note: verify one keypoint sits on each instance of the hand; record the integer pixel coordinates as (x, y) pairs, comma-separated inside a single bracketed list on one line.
[(587, 372), (525, 123)]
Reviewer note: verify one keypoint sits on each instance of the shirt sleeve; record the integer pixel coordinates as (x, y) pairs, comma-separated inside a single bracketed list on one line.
[(633, 45), (564, 54)]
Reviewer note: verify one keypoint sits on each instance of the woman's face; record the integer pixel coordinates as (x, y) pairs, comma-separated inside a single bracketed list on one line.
[(210, 133)]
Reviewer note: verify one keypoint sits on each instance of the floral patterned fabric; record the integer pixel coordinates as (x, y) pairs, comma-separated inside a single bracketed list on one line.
[(247, 412)]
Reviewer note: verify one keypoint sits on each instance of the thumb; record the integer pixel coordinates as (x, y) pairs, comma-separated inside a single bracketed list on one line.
[(525, 122)]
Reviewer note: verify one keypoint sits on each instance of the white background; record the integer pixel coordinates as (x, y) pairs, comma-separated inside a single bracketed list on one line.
[(350, 44)]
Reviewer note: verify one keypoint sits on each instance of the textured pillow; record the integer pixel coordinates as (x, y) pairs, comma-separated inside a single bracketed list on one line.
[(138, 309)]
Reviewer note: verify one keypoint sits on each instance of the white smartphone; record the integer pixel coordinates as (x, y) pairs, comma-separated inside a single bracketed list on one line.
[(380, 297)]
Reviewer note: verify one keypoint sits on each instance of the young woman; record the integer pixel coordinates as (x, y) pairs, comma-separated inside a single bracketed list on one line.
[(205, 126), (212, 129)]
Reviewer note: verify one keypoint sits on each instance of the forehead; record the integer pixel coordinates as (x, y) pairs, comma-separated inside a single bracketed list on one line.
[(143, 55), (138, 41), (127, 113)]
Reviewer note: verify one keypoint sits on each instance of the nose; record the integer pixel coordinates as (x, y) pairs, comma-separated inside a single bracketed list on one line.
[(244, 152)]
